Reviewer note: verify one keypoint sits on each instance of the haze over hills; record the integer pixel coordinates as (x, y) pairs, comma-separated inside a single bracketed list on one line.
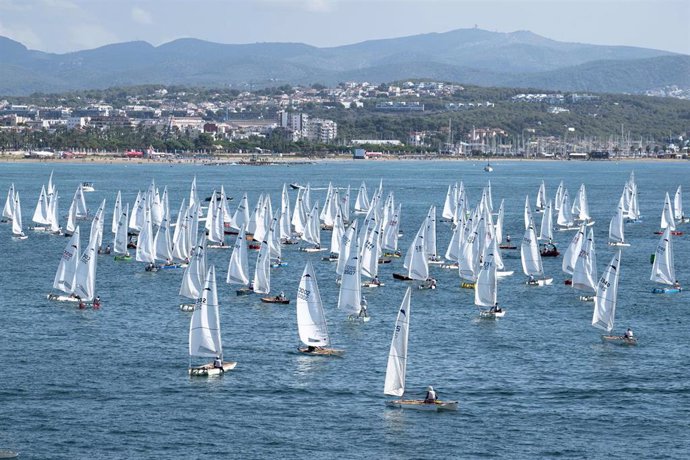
[(471, 56)]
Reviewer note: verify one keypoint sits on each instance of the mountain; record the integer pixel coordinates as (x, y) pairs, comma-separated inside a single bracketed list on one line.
[(472, 56)]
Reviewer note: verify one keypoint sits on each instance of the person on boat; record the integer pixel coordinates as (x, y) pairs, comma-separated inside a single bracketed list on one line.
[(217, 363), (676, 284), (150, 267), (531, 280), (495, 308), (281, 296), (430, 283), (628, 335), (431, 396), (375, 281), (507, 238), (363, 312), (107, 249), (96, 303), (82, 305)]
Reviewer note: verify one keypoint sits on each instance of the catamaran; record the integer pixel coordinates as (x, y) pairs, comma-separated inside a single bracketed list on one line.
[(204, 332), (605, 303), (396, 369), (311, 320)]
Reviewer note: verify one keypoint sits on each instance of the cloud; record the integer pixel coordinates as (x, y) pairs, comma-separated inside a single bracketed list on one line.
[(24, 35), (87, 36), (141, 16), (319, 6)]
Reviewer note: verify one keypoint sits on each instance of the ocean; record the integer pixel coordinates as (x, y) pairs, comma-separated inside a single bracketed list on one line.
[(539, 383)]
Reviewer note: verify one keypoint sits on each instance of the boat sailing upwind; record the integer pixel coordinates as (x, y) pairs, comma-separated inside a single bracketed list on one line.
[(605, 302), (663, 269), (396, 369)]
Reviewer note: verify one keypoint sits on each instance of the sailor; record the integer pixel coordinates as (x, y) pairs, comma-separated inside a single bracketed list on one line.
[(495, 308), (107, 249), (430, 397), (376, 281), (82, 305), (217, 363), (676, 284), (281, 296), (96, 303), (628, 335), (363, 312), (507, 238), (432, 283), (531, 280)]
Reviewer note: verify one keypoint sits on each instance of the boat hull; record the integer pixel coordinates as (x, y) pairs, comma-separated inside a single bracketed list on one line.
[(620, 245), (207, 370), (540, 282), (274, 300), (488, 314), (188, 307), (372, 285), (666, 290), (319, 351), (419, 404), (619, 340), (62, 298), (398, 276)]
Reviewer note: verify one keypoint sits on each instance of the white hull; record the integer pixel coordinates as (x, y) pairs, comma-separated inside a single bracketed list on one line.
[(419, 404), (619, 244), (208, 370), (19, 237), (62, 298), (587, 298), (312, 249), (219, 246), (435, 262), (540, 282), (188, 307), (487, 314), (372, 285), (505, 273), (450, 266), (318, 351)]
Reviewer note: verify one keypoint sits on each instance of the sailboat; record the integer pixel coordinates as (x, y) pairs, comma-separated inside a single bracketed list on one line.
[(204, 332), (667, 219), (311, 320), (541, 198), (488, 167), (485, 291), (9, 205), (585, 269), (616, 227), (531, 259), (17, 231), (67, 271), (396, 369), (350, 295), (678, 213), (663, 270), (605, 302), (416, 262)]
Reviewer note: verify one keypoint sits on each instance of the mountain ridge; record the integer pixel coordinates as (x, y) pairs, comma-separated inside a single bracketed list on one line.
[(471, 56)]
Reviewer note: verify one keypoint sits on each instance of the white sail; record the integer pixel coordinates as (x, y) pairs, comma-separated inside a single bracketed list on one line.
[(204, 327), (528, 213), (667, 219), (362, 200), (397, 356), (541, 197), (67, 268), (633, 210), (450, 202), (391, 231), (573, 251), (53, 212), (217, 232), (161, 243), (337, 233), (311, 321), (41, 213), (486, 286), (678, 204), (273, 239), (193, 278), (350, 296), (71, 218), (117, 211), (17, 216), (211, 212), (285, 230), (430, 234), (9, 203), (82, 210), (346, 247), (51, 188), (227, 217), (583, 204), (122, 222), (238, 268), (312, 229), (138, 204), (546, 229), (370, 252), (193, 195), (85, 278), (663, 269), (607, 292), (454, 245), (616, 228), (529, 254), (241, 217), (585, 270), (97, 225), (416, 262), (468, 264), (298, 219), (262, 270), (558, 199), (145, 248), (498, 228), (565, 217)]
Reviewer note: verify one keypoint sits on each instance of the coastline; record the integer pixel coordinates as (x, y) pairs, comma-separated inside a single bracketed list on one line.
[(269, 160)]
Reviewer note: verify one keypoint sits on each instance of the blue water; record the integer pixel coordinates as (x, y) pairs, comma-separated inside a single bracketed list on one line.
[(539, 383)]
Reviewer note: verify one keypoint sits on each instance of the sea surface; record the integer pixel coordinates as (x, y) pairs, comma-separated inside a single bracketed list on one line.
[(539, 383)]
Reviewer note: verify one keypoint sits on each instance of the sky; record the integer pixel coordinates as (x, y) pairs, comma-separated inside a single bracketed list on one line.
[(61, 26)]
